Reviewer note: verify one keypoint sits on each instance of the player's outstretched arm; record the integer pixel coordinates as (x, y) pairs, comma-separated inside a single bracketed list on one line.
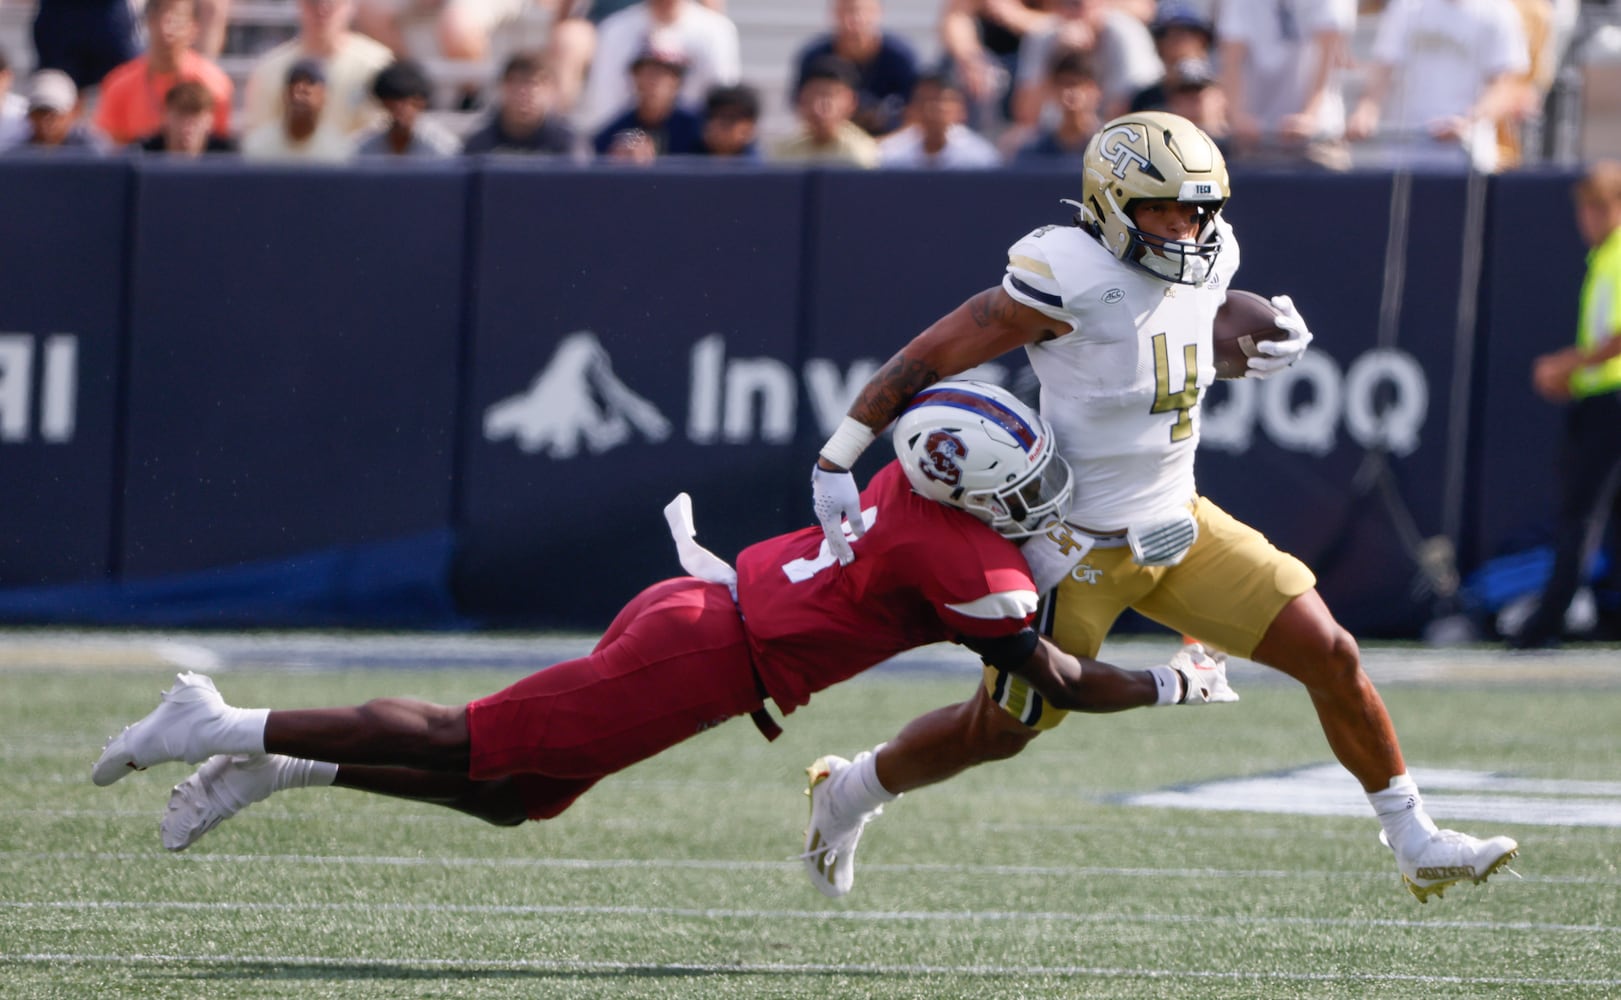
[(1082, 684), (985, 327)]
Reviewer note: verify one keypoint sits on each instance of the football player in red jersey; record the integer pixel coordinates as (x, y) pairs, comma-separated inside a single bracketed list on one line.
[(976, 470)]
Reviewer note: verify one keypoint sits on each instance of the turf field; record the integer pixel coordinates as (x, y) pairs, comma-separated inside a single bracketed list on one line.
[(1073, 871)]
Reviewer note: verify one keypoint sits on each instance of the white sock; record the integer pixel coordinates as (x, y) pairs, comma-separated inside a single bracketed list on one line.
[(1400, 809), (295, 772), (237, 730), (857, 790)]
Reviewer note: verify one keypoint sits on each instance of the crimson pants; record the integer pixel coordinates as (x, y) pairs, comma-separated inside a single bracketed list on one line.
[(674, 662)]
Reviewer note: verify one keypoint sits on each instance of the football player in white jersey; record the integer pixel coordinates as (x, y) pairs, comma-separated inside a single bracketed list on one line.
[(1116, 312)]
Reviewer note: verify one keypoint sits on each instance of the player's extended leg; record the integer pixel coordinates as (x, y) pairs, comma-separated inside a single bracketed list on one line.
[(193, 723), (392, 732), (1002, 717), (847, 794), (1305, 642), (226, 784), (947, 741)]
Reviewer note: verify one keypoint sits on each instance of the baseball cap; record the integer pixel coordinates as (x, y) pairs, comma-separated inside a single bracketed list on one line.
[(401, 80), (306, 70), (52, 90), (655, 53), (1181, 15)]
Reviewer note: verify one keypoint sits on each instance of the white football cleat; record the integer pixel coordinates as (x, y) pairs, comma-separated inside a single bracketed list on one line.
[(830, 844), (1450, 857), (169, 732), (1204, 675), (224, 786)]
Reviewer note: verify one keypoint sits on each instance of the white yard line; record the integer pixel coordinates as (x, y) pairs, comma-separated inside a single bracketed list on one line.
[(820, 916), (721, 864)]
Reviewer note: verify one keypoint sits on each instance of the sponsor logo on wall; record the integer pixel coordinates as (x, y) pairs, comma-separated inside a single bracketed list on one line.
[(577, 405), (39, 379)]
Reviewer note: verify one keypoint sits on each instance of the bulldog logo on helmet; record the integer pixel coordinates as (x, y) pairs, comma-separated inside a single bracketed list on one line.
[(941, 451)]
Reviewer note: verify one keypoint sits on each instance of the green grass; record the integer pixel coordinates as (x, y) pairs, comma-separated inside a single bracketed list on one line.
[(1021, 879)]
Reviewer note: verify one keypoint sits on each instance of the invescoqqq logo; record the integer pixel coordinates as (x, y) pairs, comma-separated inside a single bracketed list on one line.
[(577, 405)]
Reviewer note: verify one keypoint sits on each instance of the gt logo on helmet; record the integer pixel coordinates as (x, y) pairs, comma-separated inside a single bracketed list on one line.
[(1116, 150), (941, 451)]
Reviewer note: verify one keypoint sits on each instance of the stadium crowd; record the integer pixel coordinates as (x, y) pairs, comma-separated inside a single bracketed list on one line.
[(1438, 82)]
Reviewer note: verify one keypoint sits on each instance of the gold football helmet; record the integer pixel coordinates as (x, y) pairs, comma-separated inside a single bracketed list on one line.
[(1153, 154)]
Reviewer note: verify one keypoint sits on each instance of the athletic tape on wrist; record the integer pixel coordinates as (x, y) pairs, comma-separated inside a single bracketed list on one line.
[(847, 443)]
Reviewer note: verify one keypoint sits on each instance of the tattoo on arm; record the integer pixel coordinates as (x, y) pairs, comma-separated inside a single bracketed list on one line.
[(891, 388), (991, 308)]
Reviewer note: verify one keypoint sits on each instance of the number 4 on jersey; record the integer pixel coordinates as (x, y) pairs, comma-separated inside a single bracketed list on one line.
[(1183, 401)]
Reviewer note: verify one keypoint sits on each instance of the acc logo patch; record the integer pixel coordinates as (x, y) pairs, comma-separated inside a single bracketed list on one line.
[(941, 451), (1113, 295)]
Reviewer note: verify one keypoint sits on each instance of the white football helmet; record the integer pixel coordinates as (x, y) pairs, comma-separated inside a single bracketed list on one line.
[(975, 446), (1153, 154)]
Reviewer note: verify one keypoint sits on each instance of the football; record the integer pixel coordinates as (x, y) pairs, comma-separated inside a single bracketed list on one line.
[(1241, 321)]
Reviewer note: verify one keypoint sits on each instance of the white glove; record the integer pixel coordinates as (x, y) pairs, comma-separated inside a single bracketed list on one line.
[(1204, 676), (1273, 356), (835, 499)]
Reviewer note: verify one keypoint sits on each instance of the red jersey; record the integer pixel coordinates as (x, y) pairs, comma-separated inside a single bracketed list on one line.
[(923, 573)]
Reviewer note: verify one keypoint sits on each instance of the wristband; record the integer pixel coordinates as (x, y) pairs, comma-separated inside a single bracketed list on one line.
[(1170, 688), (847, 443)]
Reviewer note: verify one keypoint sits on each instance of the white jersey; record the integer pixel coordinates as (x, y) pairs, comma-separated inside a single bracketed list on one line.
[(1122, 389)]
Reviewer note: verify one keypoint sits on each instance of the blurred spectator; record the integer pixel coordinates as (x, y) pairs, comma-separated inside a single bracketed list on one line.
[(462, 30), (403, 89), (13, 107), (186, 128), (348, 61), (706, 40), (1180, 33), (981, 42), (523, 121), (213, 17), (1194, 94), (572, 39), (1080, 107), (1117, 44), (654, 116), (885, 64), (1532, 86), (937, 135), (131, 104), (53, 116), (1443, 77), (302, 133), (85, 39), (732, 123), (825, 104), (1281, 74)]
